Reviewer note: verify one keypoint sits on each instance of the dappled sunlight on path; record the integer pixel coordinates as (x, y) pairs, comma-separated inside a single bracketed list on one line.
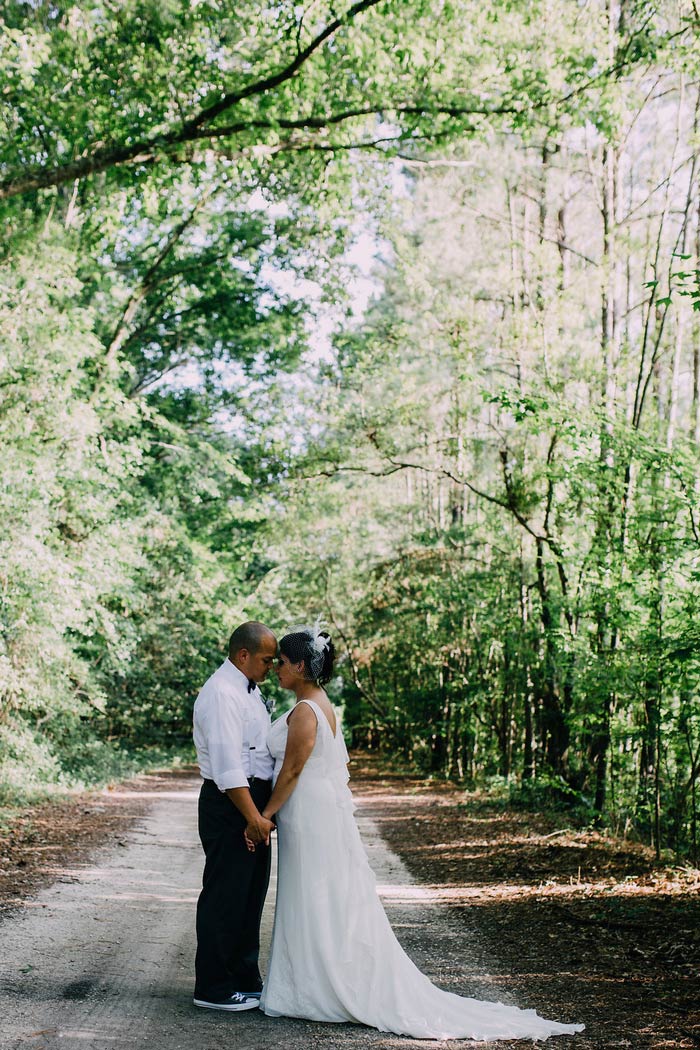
[(554, 914), (488, 904)]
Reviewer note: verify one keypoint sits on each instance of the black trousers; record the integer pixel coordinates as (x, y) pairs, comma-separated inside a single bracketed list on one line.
[(233, 893)]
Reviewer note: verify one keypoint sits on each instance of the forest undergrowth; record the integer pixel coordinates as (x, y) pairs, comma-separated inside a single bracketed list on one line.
[(585, 925)]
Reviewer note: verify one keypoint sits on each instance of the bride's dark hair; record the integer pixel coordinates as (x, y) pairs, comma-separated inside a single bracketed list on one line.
[(315, 649)]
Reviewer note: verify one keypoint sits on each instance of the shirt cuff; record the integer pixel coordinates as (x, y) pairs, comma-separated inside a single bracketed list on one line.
[(231, 778)]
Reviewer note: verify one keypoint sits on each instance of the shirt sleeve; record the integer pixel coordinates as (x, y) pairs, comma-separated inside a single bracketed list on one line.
[(225, 742)]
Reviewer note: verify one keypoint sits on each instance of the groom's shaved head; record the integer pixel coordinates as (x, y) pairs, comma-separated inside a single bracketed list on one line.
[(251, 636)]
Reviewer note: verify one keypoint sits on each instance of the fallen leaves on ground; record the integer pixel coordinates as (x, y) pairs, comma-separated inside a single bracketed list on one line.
[(47, 841), (582, 925)]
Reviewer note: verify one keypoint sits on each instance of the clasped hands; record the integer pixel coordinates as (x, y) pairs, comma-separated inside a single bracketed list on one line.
[(257, 831)]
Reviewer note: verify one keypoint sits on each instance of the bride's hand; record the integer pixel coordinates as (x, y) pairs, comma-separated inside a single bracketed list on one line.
[(249, 843), (258, 830)]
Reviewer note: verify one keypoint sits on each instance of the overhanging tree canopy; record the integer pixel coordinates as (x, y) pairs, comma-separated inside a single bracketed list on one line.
[(92, 88)]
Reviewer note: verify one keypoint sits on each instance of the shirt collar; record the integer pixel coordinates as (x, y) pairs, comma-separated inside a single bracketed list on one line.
[(237, 675)]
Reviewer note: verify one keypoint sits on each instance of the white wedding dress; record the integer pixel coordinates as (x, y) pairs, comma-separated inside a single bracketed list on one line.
[(334, 956)]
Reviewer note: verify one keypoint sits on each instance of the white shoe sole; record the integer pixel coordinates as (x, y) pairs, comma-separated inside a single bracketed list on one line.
[(249, 1004)]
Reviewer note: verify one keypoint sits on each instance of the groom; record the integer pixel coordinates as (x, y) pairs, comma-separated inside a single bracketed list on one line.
[(231, 722)]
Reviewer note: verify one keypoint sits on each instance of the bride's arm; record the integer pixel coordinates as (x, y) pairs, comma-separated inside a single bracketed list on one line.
[(300, 743)]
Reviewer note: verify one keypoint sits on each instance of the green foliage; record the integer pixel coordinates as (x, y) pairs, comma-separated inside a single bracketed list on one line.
[(548, 791), (488, 483), (499, 514)]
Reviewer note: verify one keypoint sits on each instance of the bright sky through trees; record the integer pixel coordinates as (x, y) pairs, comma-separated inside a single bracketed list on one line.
[(384, 312)]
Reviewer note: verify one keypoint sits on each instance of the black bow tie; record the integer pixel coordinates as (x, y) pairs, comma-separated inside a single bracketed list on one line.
[(268, 704)]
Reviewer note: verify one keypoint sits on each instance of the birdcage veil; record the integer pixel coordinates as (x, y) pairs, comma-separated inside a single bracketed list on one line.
[(316, 643)]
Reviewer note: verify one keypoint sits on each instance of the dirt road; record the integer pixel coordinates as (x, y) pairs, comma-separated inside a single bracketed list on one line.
[(103, 958)]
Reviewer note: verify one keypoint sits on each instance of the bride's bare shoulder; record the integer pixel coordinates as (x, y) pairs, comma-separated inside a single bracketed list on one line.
[(302, 713)]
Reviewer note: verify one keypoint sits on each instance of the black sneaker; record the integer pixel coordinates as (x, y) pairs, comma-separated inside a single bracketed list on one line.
[(237, 1001)]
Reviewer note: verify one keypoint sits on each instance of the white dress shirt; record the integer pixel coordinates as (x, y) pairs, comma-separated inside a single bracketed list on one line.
[(230, 730)]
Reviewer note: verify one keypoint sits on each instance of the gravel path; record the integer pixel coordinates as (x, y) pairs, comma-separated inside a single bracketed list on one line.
[(103, 957)]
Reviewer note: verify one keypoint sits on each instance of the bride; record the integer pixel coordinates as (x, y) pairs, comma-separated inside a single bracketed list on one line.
[(334, 956)]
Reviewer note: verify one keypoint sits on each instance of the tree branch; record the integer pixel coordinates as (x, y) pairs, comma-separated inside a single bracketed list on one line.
[(139, 294), (101, 159), (198, 127), (260, 87)]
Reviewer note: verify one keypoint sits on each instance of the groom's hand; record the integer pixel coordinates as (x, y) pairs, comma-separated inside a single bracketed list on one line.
[(257, 827), (258, 830)]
